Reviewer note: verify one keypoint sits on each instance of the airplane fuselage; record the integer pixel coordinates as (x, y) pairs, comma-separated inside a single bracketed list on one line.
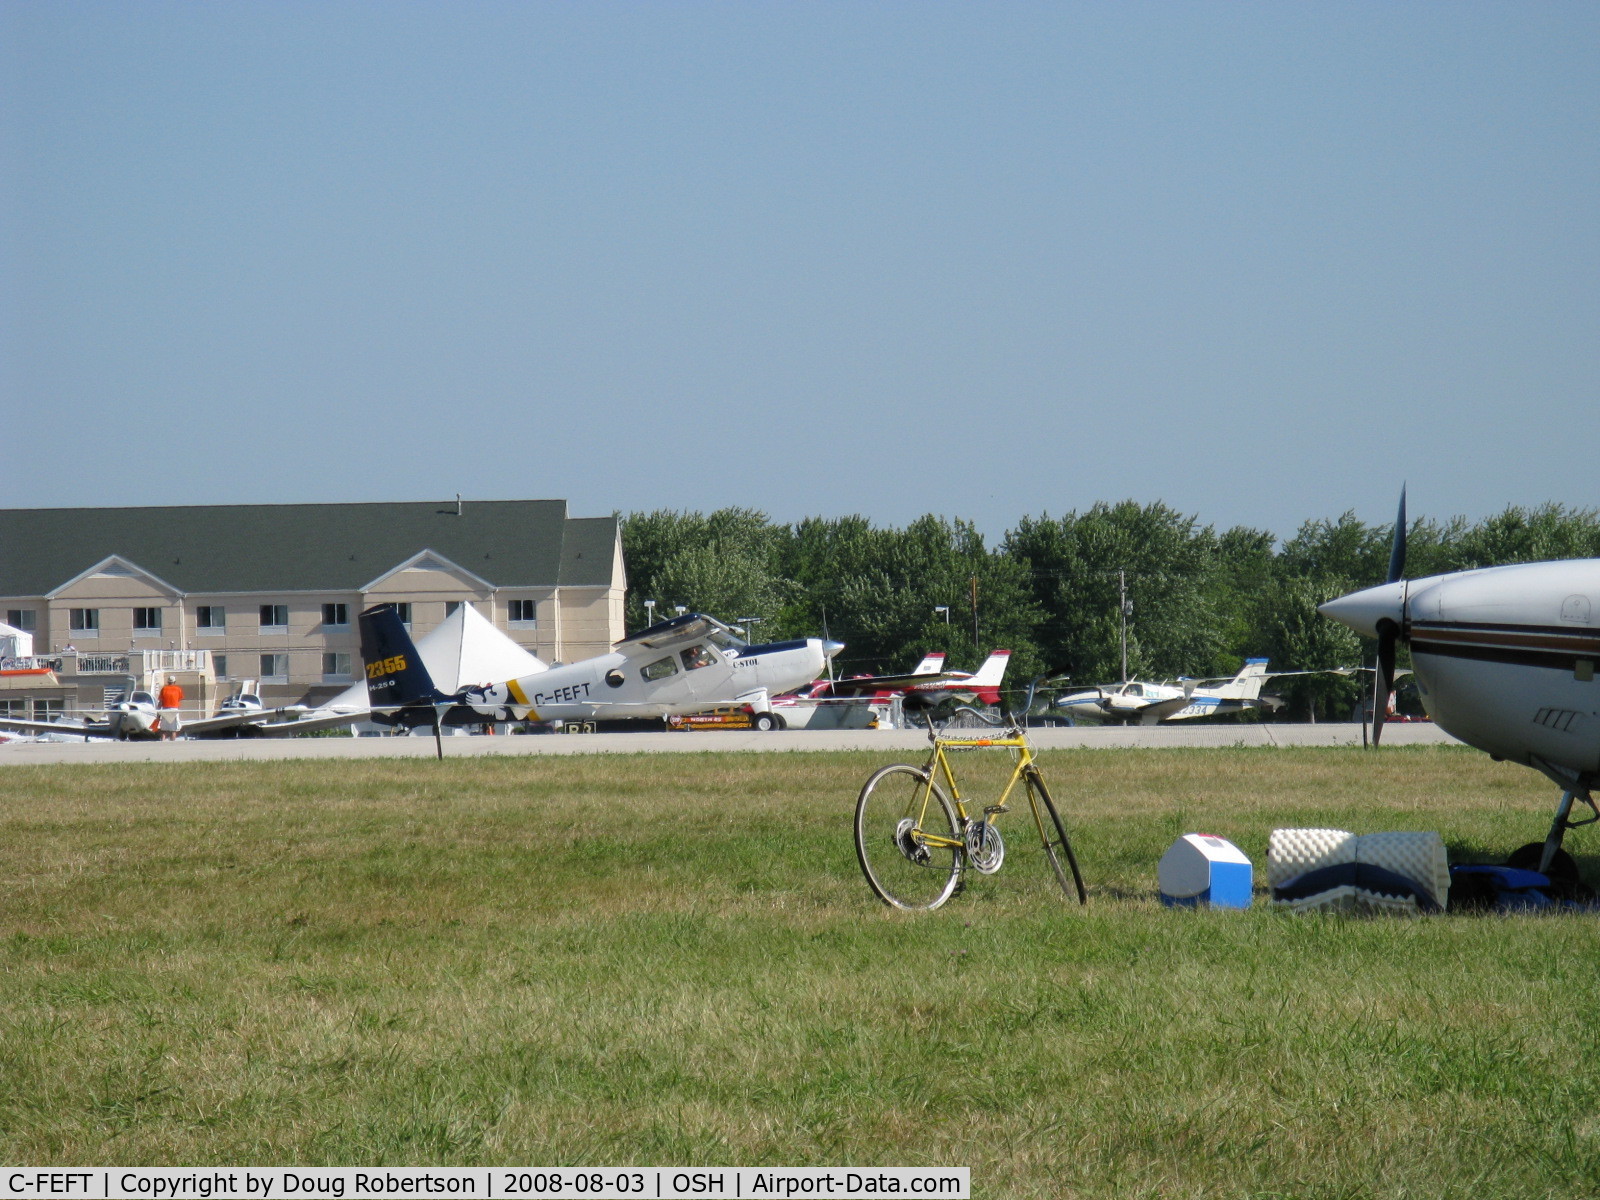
[(1504, 657), (682, 679)]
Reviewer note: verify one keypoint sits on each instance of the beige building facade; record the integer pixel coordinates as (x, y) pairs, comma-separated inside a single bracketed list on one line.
[(118, 598)]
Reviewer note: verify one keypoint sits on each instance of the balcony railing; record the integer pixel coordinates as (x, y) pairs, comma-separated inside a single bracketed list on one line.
[(176, 660), (97, 664), (134, 662), (34, 662)]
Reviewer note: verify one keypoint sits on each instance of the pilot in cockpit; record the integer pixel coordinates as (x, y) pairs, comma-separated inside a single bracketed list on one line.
[(698, 656)]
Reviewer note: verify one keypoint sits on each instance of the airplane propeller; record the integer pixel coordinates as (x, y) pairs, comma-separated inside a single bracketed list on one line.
[(1389, 630)]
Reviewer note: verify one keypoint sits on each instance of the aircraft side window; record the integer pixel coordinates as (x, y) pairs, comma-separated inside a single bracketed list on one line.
[(614, 678), (1135, 690), (660, 669), (698, 656)]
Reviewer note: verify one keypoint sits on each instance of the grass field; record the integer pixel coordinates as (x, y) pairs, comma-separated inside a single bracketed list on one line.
[(673, 960)]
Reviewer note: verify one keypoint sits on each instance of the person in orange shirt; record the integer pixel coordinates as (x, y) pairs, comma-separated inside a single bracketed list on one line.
[(171, 701)]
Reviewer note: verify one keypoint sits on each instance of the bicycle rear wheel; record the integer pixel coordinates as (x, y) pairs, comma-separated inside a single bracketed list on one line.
[(1056, 846), (906, 839)]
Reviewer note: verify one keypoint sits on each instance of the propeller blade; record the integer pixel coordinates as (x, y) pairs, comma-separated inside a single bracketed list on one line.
[(1397, 549), (1383, 677)]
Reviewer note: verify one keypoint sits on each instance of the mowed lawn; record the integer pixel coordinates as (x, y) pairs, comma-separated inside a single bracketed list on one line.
[(673, 960)]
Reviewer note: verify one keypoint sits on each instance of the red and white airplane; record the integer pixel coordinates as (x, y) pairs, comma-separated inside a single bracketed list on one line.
[(925, 687), (1504, 659)]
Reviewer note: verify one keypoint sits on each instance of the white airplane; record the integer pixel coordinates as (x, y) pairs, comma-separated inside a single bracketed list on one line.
[(1137, 703), (680, 666), (137, 718), (925, 687), (1504, 659)]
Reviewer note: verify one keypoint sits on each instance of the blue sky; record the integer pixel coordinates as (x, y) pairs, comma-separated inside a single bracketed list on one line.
[(1262, 262)]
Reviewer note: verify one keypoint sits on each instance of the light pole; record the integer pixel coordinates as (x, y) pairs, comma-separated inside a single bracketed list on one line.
[(649, 613), (945, 609), (747, 622), (680, 609), (1126, 607)]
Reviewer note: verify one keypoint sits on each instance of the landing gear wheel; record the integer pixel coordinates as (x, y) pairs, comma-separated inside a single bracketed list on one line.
[(906, 839), (1056, 846), (765, 721), (1565, 882)]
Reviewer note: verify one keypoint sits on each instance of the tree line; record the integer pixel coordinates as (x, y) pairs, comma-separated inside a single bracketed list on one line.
[(1062, 593)]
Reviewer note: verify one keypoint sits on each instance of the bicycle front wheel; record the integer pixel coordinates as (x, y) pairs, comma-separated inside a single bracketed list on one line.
[(1056, 846), (906, 839)]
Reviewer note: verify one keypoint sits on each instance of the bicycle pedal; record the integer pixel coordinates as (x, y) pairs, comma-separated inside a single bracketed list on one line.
[(991, 810)]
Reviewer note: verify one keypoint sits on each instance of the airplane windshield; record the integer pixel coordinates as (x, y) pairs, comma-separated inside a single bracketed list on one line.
[(724, 640)]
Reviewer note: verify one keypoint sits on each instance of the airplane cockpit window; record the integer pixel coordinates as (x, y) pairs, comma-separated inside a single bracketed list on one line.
[(725, 641), (696, 657), (660, 669), (143, 698), (1133, 689)]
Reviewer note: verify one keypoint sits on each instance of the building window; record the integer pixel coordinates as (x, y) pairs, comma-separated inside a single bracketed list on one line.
[(336, 616), (335, 667), (210, 618), (48, 710), (522, 612), (13, 708), (404, 609), (24, 619), (84, 620), (219, 665), (147, 621), (274, 618), (274, 666)]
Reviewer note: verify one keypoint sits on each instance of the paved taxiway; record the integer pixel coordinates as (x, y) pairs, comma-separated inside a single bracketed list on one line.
[(897, 740)]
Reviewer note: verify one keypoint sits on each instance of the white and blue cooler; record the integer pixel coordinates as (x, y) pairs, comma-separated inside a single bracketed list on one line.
[(1200, 868)]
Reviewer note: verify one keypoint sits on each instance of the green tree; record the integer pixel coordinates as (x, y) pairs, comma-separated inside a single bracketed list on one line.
[(1078, 566), (721, 564), (1550, 531)]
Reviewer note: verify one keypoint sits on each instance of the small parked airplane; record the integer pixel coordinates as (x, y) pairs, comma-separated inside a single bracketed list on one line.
[(925, 687), (137, 718), (1504, 659), (684, 665), (1137, 703)]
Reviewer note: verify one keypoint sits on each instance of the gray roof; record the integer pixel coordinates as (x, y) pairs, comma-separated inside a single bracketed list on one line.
[(306, 547)]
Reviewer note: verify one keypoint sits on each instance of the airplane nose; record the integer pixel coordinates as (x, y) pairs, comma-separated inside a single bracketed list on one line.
[(1363, 610), (832, 648)]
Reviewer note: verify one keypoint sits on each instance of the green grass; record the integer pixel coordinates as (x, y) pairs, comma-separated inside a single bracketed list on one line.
[(673, 960)]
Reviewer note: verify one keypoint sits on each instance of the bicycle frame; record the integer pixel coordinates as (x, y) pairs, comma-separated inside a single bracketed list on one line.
[(938, 768)]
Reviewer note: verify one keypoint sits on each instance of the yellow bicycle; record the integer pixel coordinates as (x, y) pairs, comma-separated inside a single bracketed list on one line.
[(916, 837)]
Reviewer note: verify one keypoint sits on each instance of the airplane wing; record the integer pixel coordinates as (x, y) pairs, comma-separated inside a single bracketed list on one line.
[(82, 730), (206, 725), (293, 728), (888, 683), (1330, 671), (670, 633), (1160, 710)]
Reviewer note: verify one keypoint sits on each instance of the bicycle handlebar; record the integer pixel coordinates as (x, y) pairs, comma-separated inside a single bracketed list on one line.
[(1007, 721)]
